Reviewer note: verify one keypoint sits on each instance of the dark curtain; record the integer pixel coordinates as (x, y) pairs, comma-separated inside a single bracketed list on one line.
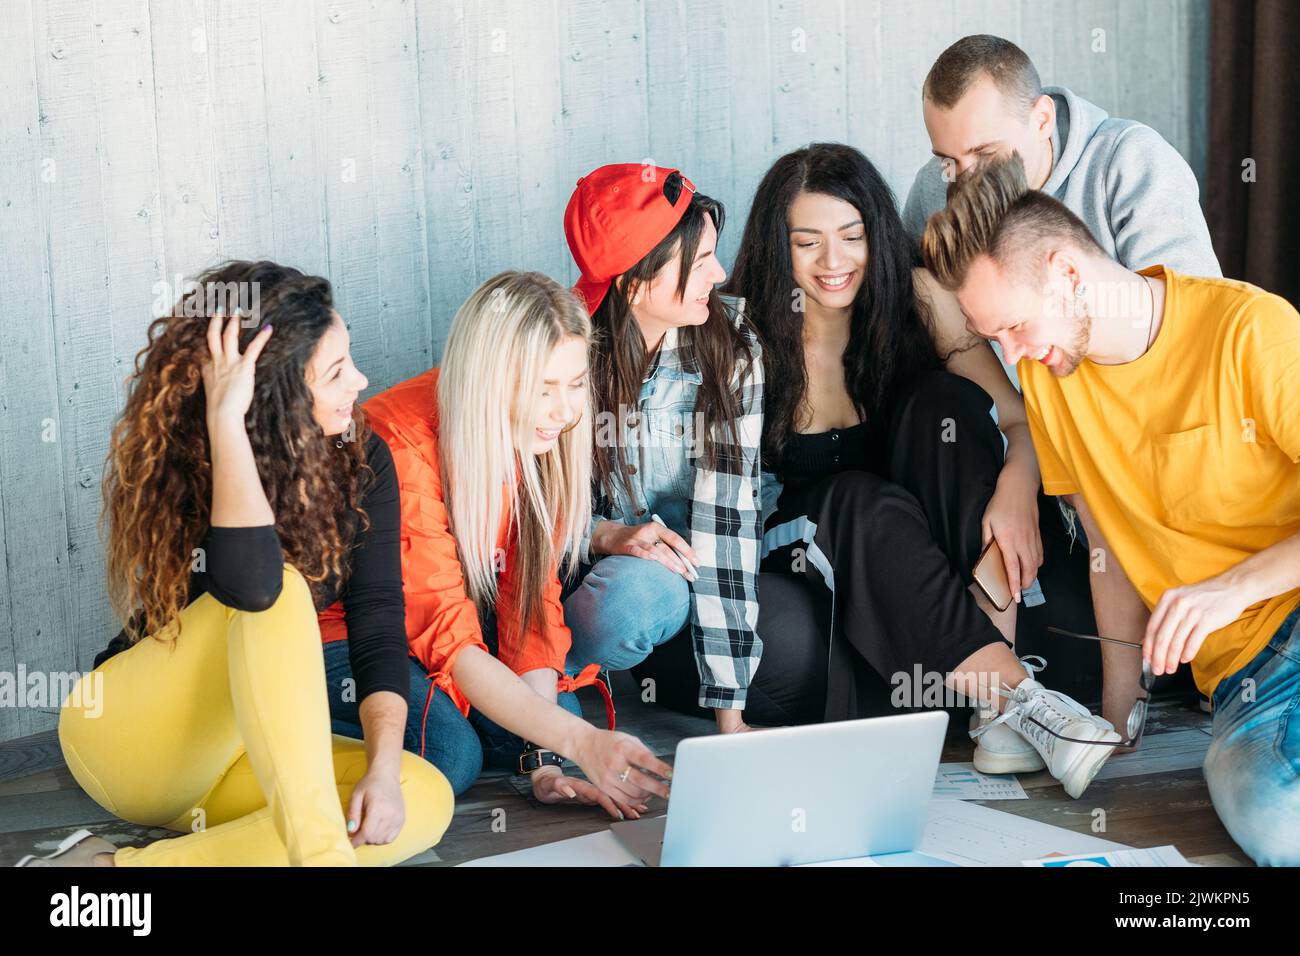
[(1255, 115)]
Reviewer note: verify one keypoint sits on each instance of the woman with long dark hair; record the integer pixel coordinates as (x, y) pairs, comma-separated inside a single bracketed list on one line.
[(244, 493), (881, 428), (677, 379)]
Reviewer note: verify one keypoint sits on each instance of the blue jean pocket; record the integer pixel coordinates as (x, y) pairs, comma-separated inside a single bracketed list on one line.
[(1286, 641), (1282, 644)]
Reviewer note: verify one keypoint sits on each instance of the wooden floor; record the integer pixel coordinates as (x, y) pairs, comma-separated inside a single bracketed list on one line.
[(1154, 797)]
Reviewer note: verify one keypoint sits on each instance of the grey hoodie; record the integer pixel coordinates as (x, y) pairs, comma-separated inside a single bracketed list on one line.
[(1132, 189)]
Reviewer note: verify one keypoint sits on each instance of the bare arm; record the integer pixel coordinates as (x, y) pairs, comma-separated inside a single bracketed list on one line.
[(971, 357), (519, 705), (1011, 516), (1185, 616), (1121, 615), (542, 681), (376, 808), (383, 721), (1115, 618), (238, 500), (618, 765), (1267, 573)]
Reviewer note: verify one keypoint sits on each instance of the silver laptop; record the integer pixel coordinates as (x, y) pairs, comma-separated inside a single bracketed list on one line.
[(794, 795)]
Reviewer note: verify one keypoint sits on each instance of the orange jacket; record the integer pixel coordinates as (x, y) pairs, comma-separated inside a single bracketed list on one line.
[(441, 619)]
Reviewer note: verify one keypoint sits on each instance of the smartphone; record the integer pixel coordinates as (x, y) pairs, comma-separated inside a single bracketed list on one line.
[(990, 574)]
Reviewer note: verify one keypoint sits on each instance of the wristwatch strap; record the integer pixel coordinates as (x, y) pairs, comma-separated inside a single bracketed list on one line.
[(535, 757)]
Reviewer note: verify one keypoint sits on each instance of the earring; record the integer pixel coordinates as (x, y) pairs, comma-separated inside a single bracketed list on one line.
[(338, 443)]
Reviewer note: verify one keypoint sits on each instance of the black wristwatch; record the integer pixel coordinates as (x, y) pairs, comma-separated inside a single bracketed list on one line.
[(534, 758)]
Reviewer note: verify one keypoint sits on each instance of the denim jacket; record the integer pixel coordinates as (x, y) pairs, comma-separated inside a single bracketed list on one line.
[(718, 511)]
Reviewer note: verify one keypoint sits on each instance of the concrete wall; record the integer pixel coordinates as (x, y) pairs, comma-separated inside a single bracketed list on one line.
[(409, 149)]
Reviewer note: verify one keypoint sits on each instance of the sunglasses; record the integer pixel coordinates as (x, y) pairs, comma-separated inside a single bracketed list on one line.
[(1137, 717)]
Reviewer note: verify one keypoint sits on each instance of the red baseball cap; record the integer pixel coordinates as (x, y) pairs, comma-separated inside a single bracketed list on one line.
[(614, 218)]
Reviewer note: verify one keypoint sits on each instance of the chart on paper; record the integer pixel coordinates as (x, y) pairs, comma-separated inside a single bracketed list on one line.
[(971, 835), (961, 781)]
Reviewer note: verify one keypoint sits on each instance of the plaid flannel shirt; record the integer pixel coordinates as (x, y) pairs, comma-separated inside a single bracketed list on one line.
[(718, 511)]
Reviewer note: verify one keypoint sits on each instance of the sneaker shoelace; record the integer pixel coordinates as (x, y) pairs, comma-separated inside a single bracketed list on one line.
[(1035, 708), (1043, 708)]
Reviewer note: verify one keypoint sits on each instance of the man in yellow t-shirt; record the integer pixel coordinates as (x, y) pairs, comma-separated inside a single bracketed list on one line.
[(1168, 407)]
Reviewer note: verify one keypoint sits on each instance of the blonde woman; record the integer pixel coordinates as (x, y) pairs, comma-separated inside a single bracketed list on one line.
[(493, 453)]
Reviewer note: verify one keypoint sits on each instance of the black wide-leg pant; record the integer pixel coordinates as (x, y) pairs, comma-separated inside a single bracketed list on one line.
[(866, 576)]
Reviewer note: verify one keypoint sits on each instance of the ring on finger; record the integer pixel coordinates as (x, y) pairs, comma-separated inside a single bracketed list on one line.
[(625, 774)]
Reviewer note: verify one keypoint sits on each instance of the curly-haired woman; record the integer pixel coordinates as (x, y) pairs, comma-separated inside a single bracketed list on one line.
[(243, 493)]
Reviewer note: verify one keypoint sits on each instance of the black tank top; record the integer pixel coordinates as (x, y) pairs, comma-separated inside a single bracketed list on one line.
[(808, 458)]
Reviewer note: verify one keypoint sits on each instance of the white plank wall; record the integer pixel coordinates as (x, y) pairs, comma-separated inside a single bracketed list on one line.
[(409, 149)]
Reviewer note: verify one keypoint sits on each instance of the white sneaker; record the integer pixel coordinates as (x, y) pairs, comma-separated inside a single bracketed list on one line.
[(1060, 729), (999, 749)]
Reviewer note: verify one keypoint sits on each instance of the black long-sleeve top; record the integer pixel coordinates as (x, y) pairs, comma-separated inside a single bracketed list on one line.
[(244, 570)]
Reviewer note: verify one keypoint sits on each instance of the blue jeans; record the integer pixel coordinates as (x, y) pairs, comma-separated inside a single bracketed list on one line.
[(458, 746), (1253, 765), (621, 610)]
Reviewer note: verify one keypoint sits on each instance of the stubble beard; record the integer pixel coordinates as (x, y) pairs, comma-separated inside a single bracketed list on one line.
[(1072, 356)]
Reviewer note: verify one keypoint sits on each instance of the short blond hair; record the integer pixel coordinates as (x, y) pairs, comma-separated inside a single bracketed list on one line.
[(992, 211)]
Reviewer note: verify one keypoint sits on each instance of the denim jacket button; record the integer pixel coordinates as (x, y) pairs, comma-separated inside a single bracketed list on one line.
[(640, 512), (631, 469)]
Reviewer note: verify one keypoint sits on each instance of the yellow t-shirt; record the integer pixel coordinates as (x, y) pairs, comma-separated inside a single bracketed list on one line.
[(1188, 457)]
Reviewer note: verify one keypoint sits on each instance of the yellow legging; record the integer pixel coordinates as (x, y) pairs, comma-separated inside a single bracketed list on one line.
[(225, 735)]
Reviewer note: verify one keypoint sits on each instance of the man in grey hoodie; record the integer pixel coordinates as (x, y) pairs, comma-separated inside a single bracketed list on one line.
[(1133, 191)]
